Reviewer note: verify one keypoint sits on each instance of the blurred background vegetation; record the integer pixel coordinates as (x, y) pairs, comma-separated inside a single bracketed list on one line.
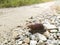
[(16, 3)]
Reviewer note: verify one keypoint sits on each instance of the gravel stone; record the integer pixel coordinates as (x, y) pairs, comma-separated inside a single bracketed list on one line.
[(33, 42), (40, 37), (52, 31), (26, 40)]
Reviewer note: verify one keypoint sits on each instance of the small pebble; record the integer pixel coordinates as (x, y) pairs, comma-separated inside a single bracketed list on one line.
[(20, 42), (47, 34), (33, 42), (49, 26), (53, 31), (40, 42), (25, 44), (32, 37), (40, 37), (26, 40)]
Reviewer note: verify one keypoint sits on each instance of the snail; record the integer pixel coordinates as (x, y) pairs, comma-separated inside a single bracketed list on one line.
[(37, 27)]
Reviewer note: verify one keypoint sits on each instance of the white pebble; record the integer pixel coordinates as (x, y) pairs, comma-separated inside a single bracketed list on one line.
[(51, 37), (47, 34), (41, 37), (32, 37), (20, 42), (40, 42), (52, 31), (58, 34), (49, 26), (33, 42), (49, 42)]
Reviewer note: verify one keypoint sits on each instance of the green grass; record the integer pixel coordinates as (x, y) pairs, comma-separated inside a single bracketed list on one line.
[(16, 3)]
